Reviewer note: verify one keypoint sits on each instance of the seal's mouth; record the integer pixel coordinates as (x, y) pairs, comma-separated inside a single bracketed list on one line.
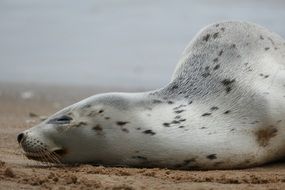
[(47, 156)]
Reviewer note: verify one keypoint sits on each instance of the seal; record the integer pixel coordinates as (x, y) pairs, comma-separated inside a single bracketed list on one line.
[(224, 108)]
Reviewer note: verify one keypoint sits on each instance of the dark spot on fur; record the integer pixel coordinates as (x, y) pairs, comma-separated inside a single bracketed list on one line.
[(261, 37), (233, 46), (228, 89), (179, 111), (217, 25), (206, 37), (216, 67), (121, 123), (222, 29), (181, 126), (170, 102), (205, 75), (215, 35), (97, 128), (206, 114), (227, 112), (178, 117), (182, 120), (203, 128), (227, 82), (180, 106), (212, 156), (150, 132), (166, 124), (107, 118), (216, 59), (125, 130), (139, 157), (175, 122), (264, 135), (100, 111), (190, 102), (267, 48), (174, 87), (214, 108), (138, 128), (156, 101), (221, 52)]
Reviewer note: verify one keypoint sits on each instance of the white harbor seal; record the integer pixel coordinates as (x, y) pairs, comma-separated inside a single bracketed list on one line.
[(223, 109)]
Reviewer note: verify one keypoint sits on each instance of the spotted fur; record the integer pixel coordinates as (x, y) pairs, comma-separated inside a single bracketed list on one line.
[(224, 108)]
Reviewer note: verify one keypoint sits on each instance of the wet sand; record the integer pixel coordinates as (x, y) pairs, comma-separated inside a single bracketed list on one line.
[(22, 106)]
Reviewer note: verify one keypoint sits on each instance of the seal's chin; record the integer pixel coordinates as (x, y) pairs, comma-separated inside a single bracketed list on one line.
[(53, 156)]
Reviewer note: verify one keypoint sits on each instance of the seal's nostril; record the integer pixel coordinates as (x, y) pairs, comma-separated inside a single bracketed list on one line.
[(20, 137)]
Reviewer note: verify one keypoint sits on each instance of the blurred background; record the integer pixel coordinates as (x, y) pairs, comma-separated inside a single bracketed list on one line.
[(126, 43)]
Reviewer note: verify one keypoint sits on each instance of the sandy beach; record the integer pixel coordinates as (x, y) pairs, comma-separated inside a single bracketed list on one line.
[(22, 106)]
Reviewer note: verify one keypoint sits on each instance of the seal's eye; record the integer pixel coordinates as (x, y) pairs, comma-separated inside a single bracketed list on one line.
[(60, 120)]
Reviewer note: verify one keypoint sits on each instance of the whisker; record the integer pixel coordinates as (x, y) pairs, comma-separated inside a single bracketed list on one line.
[(42, 157), (51, 156), (46, 158), (54, 158), (57, 158)]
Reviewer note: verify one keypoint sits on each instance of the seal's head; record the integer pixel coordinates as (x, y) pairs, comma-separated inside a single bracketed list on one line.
[(51, 140), (78, 133)]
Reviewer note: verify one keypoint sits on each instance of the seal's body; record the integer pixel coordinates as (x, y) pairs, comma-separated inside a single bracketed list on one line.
[(224, 108)]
